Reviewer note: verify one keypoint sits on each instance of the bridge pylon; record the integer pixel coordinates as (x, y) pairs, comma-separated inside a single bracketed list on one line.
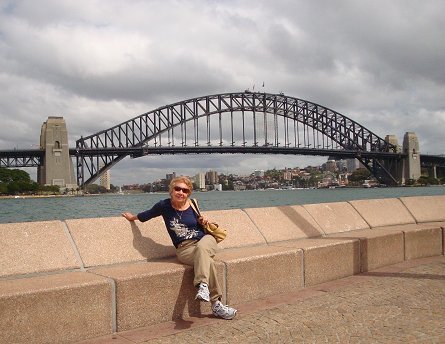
[(57, 167), (411, 164)]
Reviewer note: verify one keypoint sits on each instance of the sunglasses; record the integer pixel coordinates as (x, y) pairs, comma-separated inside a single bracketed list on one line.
[(184, 190)]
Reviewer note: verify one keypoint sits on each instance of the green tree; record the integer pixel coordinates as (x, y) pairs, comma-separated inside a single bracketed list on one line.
[(360, 175), (15, 181)]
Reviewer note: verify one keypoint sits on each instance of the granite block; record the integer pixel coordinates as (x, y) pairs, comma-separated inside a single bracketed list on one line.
[(327, 259), (383, 212), (58, 308), (284, 223), (154, 292), (426, 208), (422, 240), (241, 231), (112, 240), (35, 247), (378, 247), (256, 272), (336, 217)]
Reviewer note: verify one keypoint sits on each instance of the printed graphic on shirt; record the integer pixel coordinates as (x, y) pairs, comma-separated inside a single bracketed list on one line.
[(182, 231)]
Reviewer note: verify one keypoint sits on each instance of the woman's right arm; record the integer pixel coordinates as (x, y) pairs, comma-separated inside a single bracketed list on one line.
[(129, 216), (146, 215)]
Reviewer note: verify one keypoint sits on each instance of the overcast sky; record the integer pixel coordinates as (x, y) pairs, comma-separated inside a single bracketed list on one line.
[(98, 63)]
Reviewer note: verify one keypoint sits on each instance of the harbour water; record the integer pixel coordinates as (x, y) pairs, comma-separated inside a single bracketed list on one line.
[(62, 208)]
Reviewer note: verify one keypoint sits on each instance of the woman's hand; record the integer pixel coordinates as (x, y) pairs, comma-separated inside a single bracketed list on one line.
[(129, 216), (202, 221)]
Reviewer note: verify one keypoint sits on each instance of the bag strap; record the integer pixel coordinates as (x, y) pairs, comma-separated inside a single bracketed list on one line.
[(194, 204)]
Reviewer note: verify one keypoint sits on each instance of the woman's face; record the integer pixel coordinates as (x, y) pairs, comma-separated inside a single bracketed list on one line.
[(180, 192)]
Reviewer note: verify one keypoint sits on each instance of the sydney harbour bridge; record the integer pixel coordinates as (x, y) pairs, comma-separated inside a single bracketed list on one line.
[(240, 122)]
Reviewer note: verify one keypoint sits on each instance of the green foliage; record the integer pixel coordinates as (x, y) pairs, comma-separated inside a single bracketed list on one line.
[(95, 189), (273, 174), (426, 180), (15, 181), (360, 175)]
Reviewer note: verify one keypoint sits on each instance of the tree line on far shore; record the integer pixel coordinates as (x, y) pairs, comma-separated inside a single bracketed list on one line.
[(18, 182)]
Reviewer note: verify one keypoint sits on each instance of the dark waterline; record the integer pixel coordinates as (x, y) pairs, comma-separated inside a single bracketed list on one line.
[(62, 208)]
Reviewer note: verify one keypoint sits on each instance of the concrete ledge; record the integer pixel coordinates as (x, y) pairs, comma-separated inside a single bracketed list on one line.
[(327, 259), (35, 247), (383, 212), (155, 292), (55, 309), (241, 231), (113, 240), (133, 279), (424, 240), (378, 247), (256, 272), (284, 223), (336, 217), (426, 208)]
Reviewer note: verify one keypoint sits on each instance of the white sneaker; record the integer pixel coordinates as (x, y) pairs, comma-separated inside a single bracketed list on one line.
[(203, 292), (222, 311)]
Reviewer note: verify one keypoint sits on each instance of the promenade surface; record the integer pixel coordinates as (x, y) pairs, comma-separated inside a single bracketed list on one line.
[(402, 303)]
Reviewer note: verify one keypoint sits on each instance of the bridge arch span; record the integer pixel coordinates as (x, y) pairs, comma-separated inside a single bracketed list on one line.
[(241, 122)]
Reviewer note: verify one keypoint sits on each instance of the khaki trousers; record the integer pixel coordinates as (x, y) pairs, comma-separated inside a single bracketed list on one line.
[(200, 255)]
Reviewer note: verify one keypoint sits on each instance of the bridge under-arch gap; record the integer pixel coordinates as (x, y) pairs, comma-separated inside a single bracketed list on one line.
[(240, 122)]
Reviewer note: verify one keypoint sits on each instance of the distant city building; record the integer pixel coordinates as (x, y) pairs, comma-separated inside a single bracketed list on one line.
[(287, 175), (105, 179), (211, 177), (352, 164), (341, 165), (217, 187), (331, 166), (170, 176), (200, 181)]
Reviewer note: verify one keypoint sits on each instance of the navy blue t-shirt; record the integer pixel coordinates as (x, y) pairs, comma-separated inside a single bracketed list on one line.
[(181, 225)]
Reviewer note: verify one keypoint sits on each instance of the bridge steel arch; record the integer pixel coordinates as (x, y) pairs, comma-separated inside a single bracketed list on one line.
[(239, 122)]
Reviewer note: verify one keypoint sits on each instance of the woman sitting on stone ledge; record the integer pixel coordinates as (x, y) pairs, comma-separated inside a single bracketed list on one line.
[(193, 246)]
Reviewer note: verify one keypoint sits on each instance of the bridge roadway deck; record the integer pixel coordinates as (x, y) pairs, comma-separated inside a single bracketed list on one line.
[(402, 303)]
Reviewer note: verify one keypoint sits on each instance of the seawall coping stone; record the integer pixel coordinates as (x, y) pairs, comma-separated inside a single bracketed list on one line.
[(284, 223), (327, 259), (55, 308), (378, 247), (155, 292), (426, 208), (336, 217), (256, 272), (383, 212), (35, 247)]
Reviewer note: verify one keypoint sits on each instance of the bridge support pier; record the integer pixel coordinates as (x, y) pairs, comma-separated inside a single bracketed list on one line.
[(57, 167), (411, 165)]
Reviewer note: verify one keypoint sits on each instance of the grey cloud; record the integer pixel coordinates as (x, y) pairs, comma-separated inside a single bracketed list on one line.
[(101, 63)]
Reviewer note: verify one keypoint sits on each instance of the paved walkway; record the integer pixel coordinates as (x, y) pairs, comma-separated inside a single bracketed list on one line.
[(402, 303)]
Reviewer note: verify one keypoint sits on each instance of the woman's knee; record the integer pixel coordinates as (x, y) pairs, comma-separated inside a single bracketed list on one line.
[(207, 245)]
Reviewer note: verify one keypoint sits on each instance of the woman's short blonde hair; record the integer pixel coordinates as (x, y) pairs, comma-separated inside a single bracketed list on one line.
[(177, 180)]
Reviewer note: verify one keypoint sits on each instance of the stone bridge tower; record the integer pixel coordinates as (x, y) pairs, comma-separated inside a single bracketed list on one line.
[(411, 166), (57, 168)]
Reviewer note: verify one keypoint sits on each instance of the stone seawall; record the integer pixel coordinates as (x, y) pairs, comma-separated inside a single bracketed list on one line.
[(61, 281)]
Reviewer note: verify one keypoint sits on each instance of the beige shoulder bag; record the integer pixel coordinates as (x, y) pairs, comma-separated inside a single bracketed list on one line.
[(211, 228)]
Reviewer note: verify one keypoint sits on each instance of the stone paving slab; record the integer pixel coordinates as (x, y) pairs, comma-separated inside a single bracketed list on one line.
[(401, 303)]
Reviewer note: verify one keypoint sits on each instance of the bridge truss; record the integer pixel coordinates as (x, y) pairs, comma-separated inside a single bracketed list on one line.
[(240, 122)]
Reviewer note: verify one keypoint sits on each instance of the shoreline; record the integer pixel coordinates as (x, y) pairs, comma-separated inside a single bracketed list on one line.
[(201, 191)]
